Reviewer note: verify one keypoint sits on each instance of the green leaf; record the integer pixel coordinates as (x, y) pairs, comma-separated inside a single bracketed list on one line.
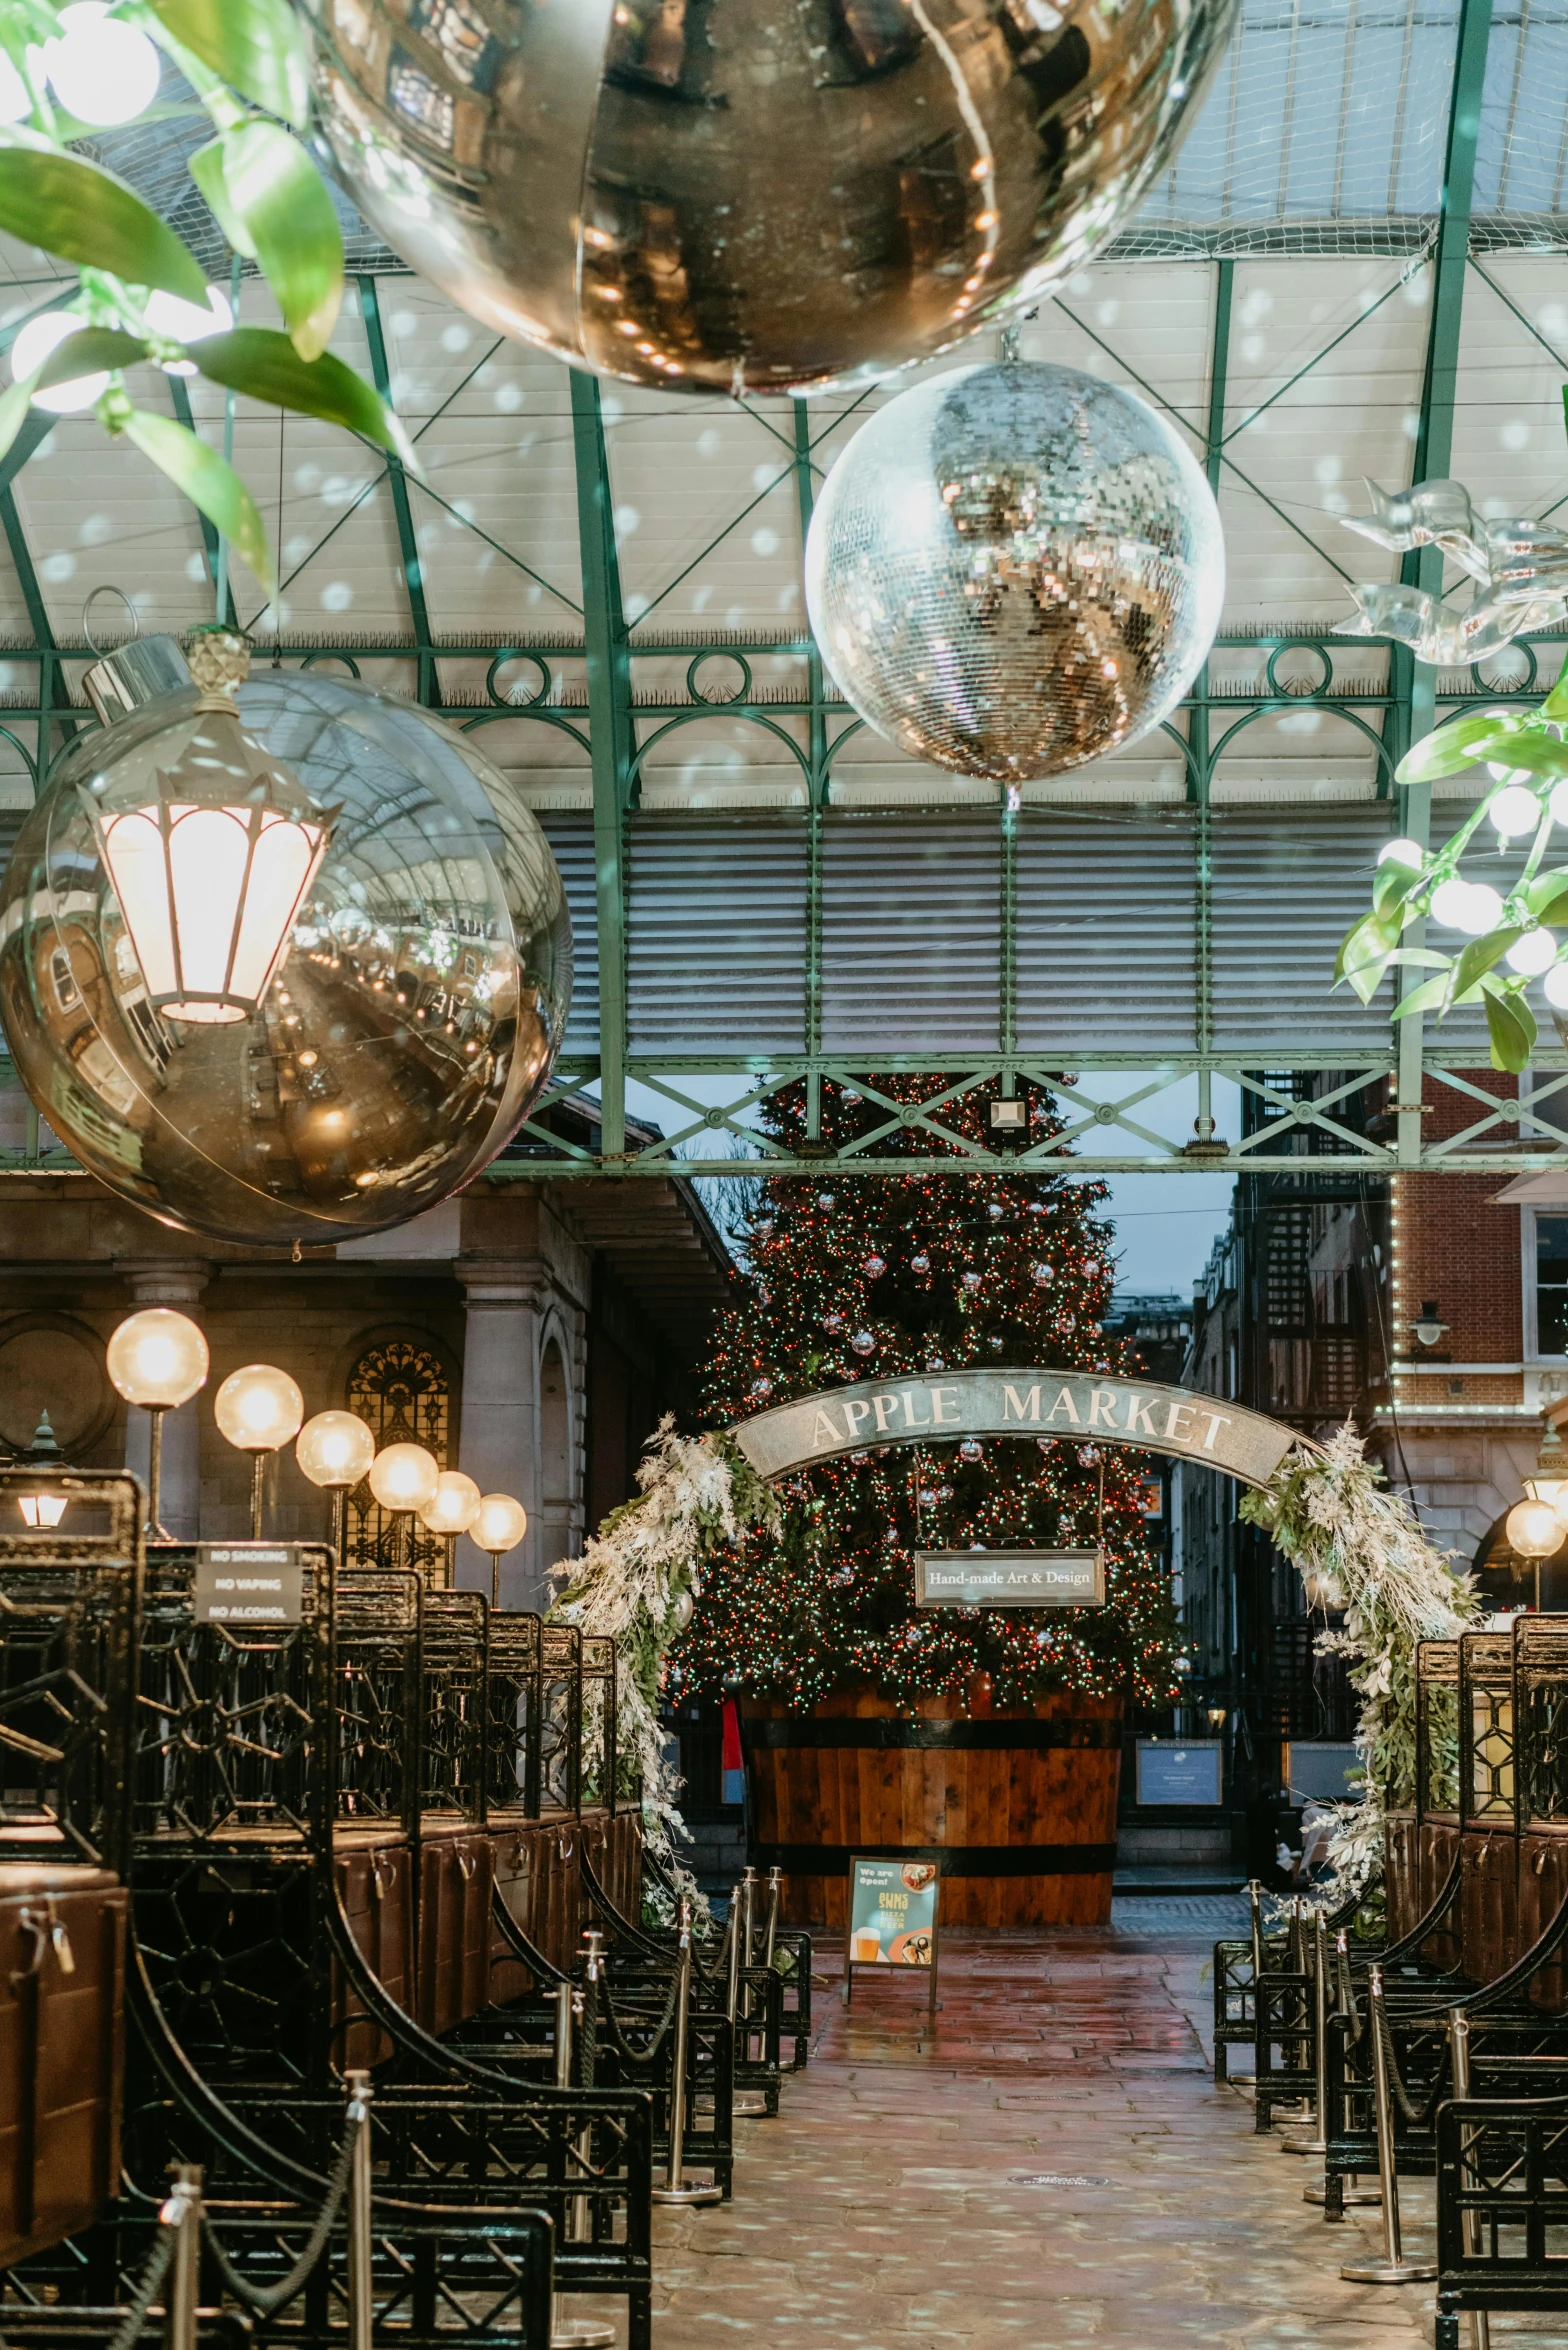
[(1392, 884), (82, 213), (1532, 753), (92, 351), (1367, 941), (259, 361), (1556, 702), (1430, 996), (281, 199), (206, 169), (1449, 749), (1479, 956), (1545, 893), (1511, 1026), (255, 45), (209, 482), (14, 404)]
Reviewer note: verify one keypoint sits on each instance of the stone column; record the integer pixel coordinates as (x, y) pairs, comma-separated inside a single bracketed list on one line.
[(498, 1444), (178, 1282)]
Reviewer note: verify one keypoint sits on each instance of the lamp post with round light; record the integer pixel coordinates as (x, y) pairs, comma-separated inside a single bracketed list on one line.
[(258, 1409), (1535, 1531), (335, 1450), (450, 1511), (157, 1359), (403, 1479), (498, 1527)]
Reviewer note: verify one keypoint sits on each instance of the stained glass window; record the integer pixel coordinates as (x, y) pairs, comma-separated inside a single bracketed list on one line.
[(400, 1388)]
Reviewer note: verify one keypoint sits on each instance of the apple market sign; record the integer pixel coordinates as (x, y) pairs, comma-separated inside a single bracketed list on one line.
[(1073, 1405)]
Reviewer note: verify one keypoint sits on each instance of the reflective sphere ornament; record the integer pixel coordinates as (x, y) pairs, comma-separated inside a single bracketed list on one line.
[(753, 195), (288, 962), (1014, 569), (863, 1342)]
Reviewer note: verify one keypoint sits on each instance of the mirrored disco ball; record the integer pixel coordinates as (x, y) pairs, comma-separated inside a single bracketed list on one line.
[(757, 194), (1015, 568), (412, 1021)]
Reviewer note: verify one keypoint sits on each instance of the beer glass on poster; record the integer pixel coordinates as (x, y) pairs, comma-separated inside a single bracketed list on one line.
[(877, 1964)]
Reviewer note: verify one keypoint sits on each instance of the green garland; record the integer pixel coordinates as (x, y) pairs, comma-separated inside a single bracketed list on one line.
[(1361, 1552)]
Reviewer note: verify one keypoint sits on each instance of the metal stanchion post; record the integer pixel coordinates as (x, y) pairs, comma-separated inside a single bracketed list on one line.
[(571, 2333), (1459, 2054), (182, 2212), (1393, 2268), (775, 1897), (1316, 2140), (1353, 2193), (675, 2189), (747, 2103), (360, 2303)]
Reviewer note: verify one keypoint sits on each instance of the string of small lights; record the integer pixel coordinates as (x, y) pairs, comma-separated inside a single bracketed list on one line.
[(899, 1276)]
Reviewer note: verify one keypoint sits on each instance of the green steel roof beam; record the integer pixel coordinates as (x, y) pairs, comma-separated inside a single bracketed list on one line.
[(413, 575), (1415, 682), (209, 530), (53, 691), (805, 498), (611, 742), (1201, 765)]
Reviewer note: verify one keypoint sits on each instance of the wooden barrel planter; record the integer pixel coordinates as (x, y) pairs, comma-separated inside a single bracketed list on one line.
[(1017, 1806)]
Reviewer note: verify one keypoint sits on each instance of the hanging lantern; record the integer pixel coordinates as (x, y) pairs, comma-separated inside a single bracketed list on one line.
[(210, 865)]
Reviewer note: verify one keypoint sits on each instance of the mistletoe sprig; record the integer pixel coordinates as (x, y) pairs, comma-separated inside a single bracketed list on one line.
[(1511, 939), (142, 298)]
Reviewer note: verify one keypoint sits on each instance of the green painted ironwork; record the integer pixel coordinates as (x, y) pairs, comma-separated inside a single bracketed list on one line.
[(397, 482), (612, 744)]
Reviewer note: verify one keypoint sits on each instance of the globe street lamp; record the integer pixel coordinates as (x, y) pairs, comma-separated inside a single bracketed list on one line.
[(335, 1450), (499, 1526), (403, 1479), (258, 1409), (1535, 1531), (157, 1359), (450, 1511)]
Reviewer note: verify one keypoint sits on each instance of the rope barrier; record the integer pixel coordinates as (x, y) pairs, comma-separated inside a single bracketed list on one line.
[(641, 2059), (151, 2285), (267, 2300), (1420, 2117)]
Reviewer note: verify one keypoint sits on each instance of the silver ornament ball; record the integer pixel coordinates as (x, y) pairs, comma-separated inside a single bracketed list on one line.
[(753, 195), (1015, 568), (410, 1024)]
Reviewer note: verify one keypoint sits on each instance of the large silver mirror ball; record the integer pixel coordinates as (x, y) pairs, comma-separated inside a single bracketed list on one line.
[(719, 195), (413, 1021), (1015, 568)]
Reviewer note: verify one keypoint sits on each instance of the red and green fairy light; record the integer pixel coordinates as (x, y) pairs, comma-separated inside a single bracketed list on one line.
[(829, 1602)]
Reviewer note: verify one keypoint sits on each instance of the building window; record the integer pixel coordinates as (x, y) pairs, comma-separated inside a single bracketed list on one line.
[(1551, 1285), (401, 1389)]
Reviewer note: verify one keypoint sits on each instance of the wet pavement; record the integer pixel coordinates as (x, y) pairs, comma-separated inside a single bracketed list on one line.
[(1052, 2166)]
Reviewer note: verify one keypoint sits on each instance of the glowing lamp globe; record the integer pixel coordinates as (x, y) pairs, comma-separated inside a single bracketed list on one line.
[(335, 1450), (281, 960), (404, 1477), (500, 1524), (1534, 1530), (453, 1506), (754, 195), (1015, 568), (157, 1358), (259, 1408), (103, 69)]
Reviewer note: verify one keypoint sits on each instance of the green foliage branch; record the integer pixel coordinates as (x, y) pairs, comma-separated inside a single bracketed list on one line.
[(247, 63), (1524, 749)]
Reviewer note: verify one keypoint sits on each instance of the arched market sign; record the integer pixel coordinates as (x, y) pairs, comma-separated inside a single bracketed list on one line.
[(1069, 1404)]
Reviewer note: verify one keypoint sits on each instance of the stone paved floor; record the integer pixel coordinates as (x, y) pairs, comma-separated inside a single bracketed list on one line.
[(1052, 2167)]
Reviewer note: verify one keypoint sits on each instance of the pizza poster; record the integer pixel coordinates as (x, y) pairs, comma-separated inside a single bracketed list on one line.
[(892, 1913)]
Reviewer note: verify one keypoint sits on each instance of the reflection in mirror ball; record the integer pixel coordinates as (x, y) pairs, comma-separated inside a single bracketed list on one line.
[(1014, 568), (413, 1020), (754, 194)]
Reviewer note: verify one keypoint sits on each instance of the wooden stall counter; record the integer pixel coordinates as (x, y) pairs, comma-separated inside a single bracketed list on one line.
[(62, 2034)]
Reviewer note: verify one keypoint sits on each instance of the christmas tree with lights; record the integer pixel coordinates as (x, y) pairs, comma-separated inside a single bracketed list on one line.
[(899, 1276)]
